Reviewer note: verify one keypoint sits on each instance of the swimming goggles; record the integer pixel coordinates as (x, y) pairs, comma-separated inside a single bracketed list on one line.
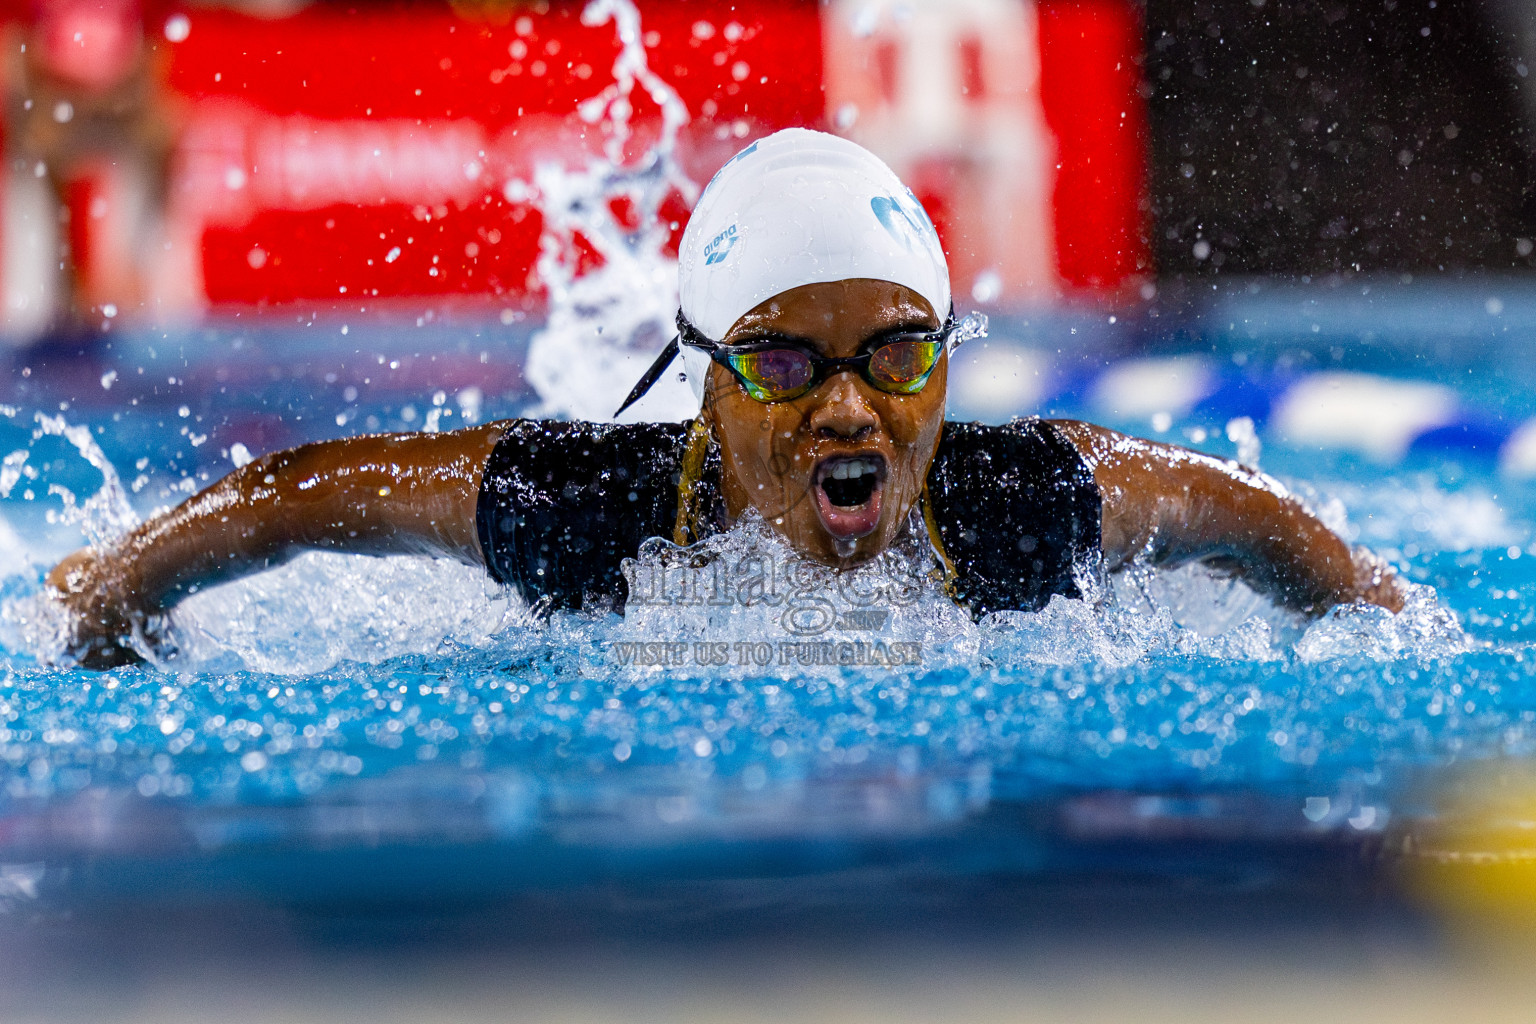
[(777, 368)]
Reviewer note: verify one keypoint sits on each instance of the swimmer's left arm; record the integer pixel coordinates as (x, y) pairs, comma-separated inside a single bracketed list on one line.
[(1175, 505)]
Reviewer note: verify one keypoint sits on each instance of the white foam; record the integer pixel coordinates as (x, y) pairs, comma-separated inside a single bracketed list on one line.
[(745, 597), (1425, 630), (1128, 620), (326, 608), (323, 608)]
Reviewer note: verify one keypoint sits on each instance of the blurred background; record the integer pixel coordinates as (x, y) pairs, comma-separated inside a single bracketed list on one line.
[(227, 227), (166, 162)]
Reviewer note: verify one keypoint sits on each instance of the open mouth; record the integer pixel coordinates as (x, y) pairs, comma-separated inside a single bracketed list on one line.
[(848, 491), (849, 483)]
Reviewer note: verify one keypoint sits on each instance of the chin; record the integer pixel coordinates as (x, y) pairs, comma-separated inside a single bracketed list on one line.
[(844, 552)]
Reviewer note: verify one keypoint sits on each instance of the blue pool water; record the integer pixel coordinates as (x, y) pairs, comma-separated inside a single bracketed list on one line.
[(357, 729)]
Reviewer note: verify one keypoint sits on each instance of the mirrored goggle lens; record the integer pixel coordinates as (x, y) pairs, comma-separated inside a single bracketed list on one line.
[(904, 366), (774, 372)]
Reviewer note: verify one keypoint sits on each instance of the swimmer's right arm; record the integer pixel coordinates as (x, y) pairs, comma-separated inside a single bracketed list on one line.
[(1171, 505), (383, 494)]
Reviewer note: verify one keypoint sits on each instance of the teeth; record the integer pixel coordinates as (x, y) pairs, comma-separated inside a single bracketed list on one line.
[(851, 469)]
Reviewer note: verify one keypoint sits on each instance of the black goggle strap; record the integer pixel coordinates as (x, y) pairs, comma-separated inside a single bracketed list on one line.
[(651, 376)]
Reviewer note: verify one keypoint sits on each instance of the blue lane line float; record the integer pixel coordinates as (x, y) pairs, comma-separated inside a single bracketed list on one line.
[(1472, 437), (1383, 418)]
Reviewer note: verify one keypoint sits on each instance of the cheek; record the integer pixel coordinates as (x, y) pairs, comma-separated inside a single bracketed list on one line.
[(915, 424), (762, 440), (916, 421)]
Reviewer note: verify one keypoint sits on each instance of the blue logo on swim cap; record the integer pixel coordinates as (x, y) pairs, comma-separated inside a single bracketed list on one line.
[(746, 152), (720, 246), (932, 231), (898, 223)]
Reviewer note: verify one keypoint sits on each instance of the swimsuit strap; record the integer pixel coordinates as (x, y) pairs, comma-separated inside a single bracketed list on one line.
[(690, 495), (932, 525)]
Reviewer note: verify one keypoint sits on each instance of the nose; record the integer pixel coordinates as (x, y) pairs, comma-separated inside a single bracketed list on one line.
[(844, 413)]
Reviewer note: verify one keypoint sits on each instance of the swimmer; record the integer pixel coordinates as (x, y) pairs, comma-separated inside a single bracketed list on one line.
[(815, 327)]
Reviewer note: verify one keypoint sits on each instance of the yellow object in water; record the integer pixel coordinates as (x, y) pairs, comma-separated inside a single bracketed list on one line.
[(1475, 860)]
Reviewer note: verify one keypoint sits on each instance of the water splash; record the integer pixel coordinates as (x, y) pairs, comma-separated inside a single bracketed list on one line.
[(1137, 615), (630, 68), (103, 517), (605, 324), (1240, 431), (745, 592), (323, 609), (1424, 630), (742, 602), (341, 681), (31, 622)]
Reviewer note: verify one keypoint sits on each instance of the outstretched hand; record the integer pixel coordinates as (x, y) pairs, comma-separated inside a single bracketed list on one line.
[(105, 614), (1376, 583)]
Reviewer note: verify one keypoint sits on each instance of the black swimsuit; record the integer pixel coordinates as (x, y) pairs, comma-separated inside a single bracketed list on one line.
[(563, 504)]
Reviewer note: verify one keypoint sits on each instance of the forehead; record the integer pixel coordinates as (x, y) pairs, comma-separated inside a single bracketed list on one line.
[(837, 311)]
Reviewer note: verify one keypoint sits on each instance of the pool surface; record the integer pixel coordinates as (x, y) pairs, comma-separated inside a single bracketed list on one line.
[(352, 730)]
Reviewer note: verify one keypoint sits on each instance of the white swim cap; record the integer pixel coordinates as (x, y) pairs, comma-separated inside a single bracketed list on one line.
[(800, 207)]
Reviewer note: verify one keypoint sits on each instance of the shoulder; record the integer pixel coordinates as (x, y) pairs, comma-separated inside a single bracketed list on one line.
[(1016, 509), (530, 453), (562, 504), (1028, 451)]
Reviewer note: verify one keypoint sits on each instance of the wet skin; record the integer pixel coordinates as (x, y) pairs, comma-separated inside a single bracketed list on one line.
[(1161, 502), (776, 456), (379, 495), (1168, 505), (417, 493)]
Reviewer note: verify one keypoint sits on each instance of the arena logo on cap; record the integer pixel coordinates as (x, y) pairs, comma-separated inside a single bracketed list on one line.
[(898, 223), (720, 246)]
